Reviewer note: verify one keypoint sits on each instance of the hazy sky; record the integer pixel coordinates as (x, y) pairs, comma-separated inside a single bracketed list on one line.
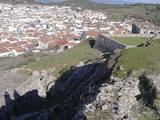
[(135, 1), (113, 1)]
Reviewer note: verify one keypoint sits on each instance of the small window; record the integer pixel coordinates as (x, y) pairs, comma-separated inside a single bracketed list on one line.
[(66, 47), (152, 33)]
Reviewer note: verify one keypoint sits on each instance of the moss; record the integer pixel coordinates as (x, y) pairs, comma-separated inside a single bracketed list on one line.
[(120, 74), (99, 115)]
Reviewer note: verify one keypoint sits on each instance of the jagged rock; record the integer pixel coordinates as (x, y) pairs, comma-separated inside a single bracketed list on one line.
[(118, 98), (50, 82), (156, 82), (80, 64), (9, 80), (40, 81), (128, 95), (36, 82), (90, 107), (87, 89), (121, 68)]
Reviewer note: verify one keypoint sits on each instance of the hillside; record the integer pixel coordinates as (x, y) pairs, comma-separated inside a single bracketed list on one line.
[(142, 11), (18, 1), (150, 12), (101, 86), (144, 59)]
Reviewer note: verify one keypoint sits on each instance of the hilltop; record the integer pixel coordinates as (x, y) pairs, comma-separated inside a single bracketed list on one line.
[(79, 2), (18, 1), (149, 12)]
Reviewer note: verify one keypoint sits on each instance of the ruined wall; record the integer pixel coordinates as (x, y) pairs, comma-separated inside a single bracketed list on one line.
[(105, 44)]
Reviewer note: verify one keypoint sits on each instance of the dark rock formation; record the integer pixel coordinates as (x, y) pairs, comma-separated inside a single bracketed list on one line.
[(84, 92), (66, 99)]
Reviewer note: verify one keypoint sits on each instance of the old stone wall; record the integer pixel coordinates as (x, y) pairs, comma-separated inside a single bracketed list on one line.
[(105, 44)]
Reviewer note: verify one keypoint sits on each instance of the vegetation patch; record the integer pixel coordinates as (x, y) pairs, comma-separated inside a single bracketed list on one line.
[(131, 40), (146, 59), (7, 63), (65, 60), (144, 113), (143, 11), (147, 90)]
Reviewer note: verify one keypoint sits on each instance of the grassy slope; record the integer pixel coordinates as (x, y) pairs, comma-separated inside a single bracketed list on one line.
[(131, 40), (143, 11), (146, 11), (120, 12), (7, 63), (143, 58), (61, 61), (68, 58)]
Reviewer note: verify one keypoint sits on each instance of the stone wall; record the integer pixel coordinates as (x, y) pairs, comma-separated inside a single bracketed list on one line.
[(106, 44)]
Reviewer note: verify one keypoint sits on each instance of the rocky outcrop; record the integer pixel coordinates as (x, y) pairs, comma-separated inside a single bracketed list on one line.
[(156, 82), (67, 98), (9, 80), (116, 98), (87, 91), (26, 97), (39, 80)]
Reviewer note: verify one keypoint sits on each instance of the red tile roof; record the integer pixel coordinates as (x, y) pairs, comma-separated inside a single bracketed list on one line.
[(92, 33), (61, 42), (12, 39), (46, 39), (51, 44), (72, 44), (6, 44), (20, 49), (19, 43), (3, 49)]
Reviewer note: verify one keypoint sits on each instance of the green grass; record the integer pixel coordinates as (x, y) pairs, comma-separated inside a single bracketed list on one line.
[(60, 61), (131, 40), (15, 62), (146, 11), (63, 61), (142, 112), (145, 59), (119, 13), (99, 115)]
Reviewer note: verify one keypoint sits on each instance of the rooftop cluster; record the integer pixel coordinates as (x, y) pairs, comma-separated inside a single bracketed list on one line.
[(34, 28)]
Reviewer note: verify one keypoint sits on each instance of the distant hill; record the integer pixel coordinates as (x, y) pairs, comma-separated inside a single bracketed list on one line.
[(18, 1), (150, 12), (82, 3), (109, 1)]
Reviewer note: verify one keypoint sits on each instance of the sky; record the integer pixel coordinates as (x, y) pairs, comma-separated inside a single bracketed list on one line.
[(114, 1), (130, 1)]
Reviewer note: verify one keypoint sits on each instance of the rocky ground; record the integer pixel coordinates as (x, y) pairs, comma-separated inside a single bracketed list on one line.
[(87, 91), (116, 99), (9, 80)]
